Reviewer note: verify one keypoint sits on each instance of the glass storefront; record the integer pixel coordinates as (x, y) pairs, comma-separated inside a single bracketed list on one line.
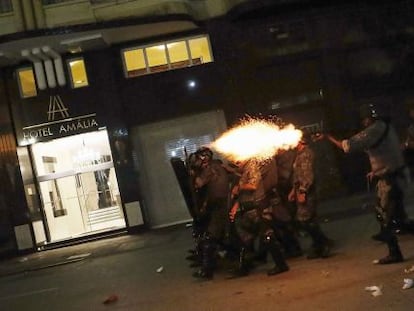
[(78, 187)]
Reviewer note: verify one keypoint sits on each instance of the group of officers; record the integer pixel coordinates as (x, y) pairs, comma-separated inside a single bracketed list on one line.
[(251, 209)]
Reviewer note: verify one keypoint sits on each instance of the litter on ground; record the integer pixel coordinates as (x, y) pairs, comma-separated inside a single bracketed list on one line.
[(375, 290)]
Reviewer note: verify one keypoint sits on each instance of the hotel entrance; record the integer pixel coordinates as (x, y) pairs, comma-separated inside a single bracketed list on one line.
[(78, 187)]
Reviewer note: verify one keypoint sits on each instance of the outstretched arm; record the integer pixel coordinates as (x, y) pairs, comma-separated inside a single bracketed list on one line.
[(335, 141)]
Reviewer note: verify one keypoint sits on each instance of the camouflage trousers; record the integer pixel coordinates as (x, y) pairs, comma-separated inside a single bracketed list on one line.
[(253, 221), (306, 211), (390, 197)]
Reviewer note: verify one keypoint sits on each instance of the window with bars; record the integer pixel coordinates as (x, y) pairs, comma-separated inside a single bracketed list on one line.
[(163, 56), (183, 147), (6, 6)]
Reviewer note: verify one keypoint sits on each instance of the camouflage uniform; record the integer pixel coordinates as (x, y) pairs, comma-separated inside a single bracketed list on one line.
[(281, 217), (381, 143), (303, 185), (252, 204), (254, 218), (285, 161)]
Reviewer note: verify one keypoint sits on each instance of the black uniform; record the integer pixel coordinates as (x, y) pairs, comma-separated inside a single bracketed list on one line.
[(214, 180)]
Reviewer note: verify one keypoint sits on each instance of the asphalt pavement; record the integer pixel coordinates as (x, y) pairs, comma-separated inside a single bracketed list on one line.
[(164, 279)]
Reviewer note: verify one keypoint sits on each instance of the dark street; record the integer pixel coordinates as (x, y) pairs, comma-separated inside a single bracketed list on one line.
[(149, 272)]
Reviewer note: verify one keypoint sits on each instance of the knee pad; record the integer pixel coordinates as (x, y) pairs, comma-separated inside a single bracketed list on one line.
[(269, 236)]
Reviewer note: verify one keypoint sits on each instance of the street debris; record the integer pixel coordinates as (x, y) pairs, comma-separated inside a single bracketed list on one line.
[(160, 269), (408, 283), (111, 299), (325, 273), (409, 270), (23, 259), (375, 290)]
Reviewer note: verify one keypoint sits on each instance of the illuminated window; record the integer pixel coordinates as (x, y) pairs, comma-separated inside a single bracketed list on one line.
[(78, 73), (164, 56), (27, 83), (134, 62), (178, 54), (200, 50), (157, 58)]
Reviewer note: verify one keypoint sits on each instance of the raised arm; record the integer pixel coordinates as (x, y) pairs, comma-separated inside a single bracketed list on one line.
[(336, 142)]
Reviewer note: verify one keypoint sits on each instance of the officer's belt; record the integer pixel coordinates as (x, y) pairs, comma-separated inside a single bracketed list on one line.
[(251, 205), (395, 173)]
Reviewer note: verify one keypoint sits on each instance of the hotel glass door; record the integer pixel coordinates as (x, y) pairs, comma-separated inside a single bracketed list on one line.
[(78, 185)]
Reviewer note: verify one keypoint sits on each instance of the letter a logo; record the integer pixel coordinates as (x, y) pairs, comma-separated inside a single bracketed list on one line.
[(56, 106)]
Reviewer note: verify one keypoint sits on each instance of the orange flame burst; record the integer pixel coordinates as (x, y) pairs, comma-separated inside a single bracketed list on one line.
[(256, 139)]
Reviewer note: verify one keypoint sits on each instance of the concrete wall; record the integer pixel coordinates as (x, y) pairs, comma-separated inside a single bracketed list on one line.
[(32, 14)]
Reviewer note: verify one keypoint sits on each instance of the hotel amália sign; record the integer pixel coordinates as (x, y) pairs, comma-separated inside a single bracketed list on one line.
[(59, 123)]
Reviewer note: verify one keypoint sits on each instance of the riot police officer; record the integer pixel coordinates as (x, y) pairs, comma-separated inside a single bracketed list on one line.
[(380, 141), (303, 193), (253, 219), (215, 180)]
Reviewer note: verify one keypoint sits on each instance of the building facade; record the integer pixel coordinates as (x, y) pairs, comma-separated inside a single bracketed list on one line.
[(97, 96)]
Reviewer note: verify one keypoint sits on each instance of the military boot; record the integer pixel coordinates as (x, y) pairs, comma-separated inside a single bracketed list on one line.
[(274, 249), (394, 256), (208, 260), (321, 247), (244, 266)]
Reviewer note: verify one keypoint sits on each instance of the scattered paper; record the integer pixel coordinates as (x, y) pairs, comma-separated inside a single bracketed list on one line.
[(160, 269), (375, 290), (408, 283)]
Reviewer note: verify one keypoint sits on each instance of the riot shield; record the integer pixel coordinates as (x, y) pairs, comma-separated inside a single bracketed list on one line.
[(186, 186)]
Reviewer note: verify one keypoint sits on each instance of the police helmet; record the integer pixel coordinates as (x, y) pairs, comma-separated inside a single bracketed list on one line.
[(205, 153)]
